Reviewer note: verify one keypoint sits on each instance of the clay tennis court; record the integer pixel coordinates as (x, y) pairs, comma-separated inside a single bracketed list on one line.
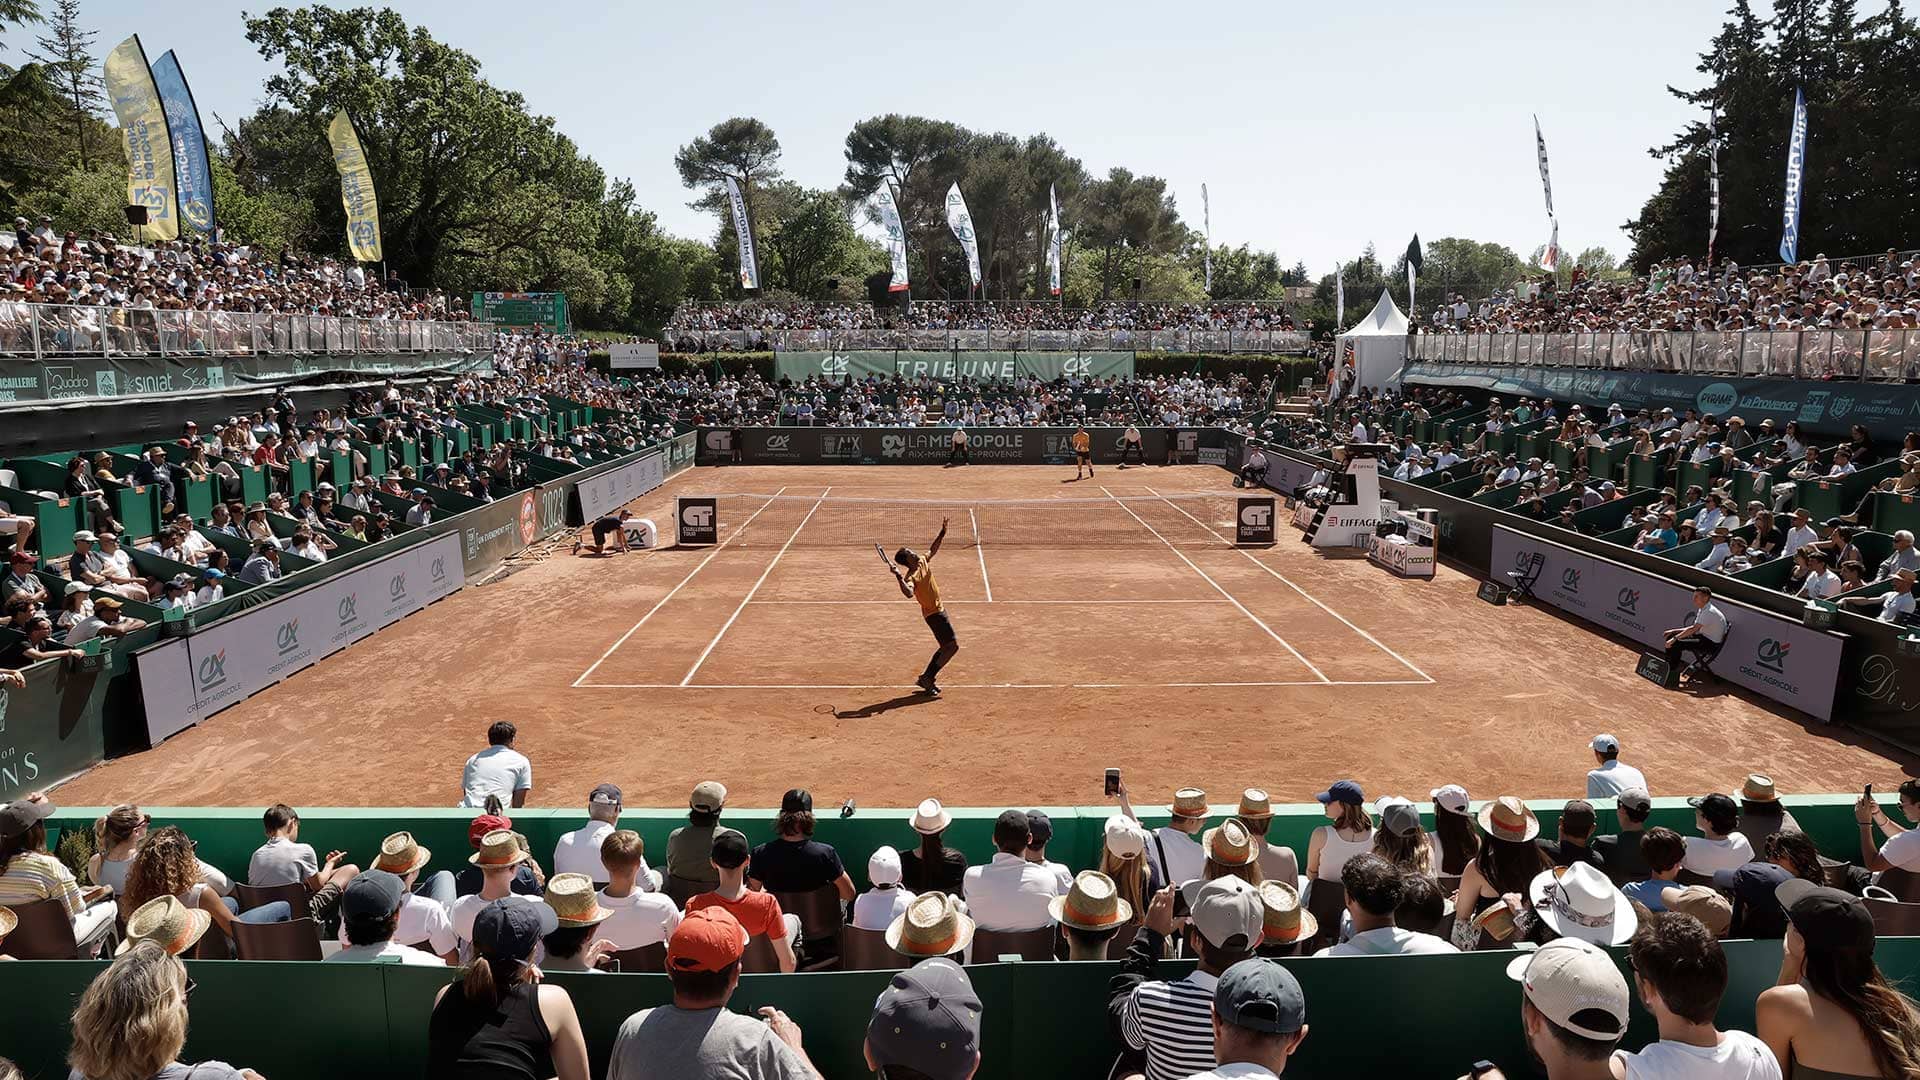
[(1107, 622)]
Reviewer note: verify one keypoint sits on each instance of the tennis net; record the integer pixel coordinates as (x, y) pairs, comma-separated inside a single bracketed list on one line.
[(756, 521)]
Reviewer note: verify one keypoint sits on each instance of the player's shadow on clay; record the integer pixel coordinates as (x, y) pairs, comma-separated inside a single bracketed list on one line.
[(878, 707)]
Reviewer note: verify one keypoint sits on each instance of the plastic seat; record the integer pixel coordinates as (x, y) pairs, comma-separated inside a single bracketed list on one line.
[(296, 940), (647, 959), (760, 959), (1903, 884), (866, 950), (1891, 918), (1327, 900), (253, 896), (45, 933), (820, 911), (990, 945)]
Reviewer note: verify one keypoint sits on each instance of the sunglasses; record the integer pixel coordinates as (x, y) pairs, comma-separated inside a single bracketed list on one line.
[(186, 992)]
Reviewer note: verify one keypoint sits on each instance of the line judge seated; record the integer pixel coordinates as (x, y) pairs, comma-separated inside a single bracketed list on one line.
[(1254, 472), (1704, 632)]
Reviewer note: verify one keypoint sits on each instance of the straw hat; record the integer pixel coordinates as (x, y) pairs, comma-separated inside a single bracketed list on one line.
[(931, 926), (1190, 802), (1230, 844), (1284, 918), (1093, 903), (1507, 818), (1758, 788), (166, 922), (8, 920), (400, 855), (498, 848), (1254, 805), (574, 903), (930, 817)]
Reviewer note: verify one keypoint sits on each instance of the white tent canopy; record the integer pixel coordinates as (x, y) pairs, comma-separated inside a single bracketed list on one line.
[(1379, 344)]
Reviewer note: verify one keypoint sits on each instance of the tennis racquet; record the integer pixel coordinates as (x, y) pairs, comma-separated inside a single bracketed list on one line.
[(883, 558)]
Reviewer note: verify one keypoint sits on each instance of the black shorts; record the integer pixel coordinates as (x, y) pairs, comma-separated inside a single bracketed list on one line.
[(1084, 457), (602, 530), (942, 628)]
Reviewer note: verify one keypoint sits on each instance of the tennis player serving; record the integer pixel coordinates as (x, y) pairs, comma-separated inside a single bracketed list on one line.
[(914, 575)]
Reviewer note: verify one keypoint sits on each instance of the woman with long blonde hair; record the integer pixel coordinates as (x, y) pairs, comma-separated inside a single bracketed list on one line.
[(1123, 857), (131, 1023)]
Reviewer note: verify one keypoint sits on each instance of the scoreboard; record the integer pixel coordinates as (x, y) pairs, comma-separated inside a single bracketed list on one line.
[(519, 309)]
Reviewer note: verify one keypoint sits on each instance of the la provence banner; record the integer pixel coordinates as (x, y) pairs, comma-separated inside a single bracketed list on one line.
[(980, 366)]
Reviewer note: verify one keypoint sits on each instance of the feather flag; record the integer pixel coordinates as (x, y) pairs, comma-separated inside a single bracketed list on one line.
[(1796, 176), (1413, 267), (194, 177), (1206, 220), (357, 193), (143, 131), (1053, 242), (1550, 258), (1713, 179), (896, 238), (961, 223), (1546, 184), (1339, 298), (743, 231)]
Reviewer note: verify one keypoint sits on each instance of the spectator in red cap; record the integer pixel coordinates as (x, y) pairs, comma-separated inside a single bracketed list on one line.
[(21, 580), (497, 1018), (698, 1035), (528, 880)]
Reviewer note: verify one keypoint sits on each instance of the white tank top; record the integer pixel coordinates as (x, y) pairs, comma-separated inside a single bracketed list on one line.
[(1336, 850)]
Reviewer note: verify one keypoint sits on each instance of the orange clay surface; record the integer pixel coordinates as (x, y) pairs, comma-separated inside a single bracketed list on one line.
[(1092, 635)]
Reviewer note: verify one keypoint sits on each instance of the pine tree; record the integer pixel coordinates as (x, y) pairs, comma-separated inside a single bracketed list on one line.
[(66, 51)]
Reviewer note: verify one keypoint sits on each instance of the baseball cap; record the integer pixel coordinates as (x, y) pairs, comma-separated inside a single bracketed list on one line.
[(510, 927), (1039, 827), (485, 824), (928, 1020), (1720, 810), (1452, 798), (1576, 985), (604, 795), (1635, 800), (708, 797), (1703, 903), (1343, 791), (1577, 817), (797, 801), (1124, 837), (729, 847), (1400, 819), (1225, 908), (1826, 918), (1260, 995), (373, 894), (883, 866), (706, 940), (21, 815), (1605, 744)]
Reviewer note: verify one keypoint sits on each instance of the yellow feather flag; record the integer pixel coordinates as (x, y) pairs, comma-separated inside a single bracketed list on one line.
[(356, 189), (143, 129)]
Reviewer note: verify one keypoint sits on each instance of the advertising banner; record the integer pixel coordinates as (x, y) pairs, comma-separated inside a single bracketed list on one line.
[(979, 365), (166, 687), (195, 179), (499, 529), (932, 446), (609, 491), (626, 356), (1826, 408), (121, 376), (1766, 653), (357, 190), (143, 132), (696, 521), (1254, 523), (51, 728)]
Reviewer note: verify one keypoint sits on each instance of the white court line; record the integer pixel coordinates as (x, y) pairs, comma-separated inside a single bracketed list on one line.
[(1071, 602), (1374, 640), (663, 600), (980, 550), (728, 625), (997, 686), (1196, 569)]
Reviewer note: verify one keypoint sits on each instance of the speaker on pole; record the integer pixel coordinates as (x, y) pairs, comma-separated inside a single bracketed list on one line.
[(136, 215)]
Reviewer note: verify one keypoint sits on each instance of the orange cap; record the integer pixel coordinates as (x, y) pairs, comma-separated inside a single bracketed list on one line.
[(706, 940)]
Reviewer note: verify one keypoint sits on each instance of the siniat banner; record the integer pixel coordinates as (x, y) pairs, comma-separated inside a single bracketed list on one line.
[(931, 446), (193, 176)]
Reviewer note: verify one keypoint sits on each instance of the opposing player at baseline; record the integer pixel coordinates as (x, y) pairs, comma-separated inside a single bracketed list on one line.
[(917, 584), (1082, 453)]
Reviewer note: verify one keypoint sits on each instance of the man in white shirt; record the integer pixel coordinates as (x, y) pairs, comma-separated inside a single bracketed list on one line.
[(876, 908), (498, 770), (1720, 846), (1895, 605), (1509, 473), (1612, 776), (1010, 893), (1374, 888), (1704, 632), (1722, 547), (1800, 535), (105, 622), (1821, 583), (641, 916), (498, 858), (578, 852), (370, 916), (1173, 846), (1680, 973)]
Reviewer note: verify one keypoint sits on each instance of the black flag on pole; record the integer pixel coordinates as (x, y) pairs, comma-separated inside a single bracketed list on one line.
[(1413, 252)]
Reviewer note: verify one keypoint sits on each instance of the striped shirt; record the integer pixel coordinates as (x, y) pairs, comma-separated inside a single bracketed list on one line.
[(1173, 1023), (36, 875)]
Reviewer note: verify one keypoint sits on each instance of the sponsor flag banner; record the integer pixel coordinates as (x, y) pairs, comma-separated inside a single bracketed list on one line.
[(896, 238), (143, 131), (1550, 258), (1339, 298), (1413, 268), (961, 222), (1206, 222), (1540, 144), (193, 177), (749, 266), (356, 189), (1796, 179), (1053, 242), (1713, 179)]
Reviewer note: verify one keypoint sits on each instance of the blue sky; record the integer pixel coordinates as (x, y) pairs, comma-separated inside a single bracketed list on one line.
[(1315, 130)]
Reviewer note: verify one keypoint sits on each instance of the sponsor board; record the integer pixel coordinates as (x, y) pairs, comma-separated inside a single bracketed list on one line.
[(50, 729), (1401, 557), (696, 521), (979, 365), (933, 445), (631, 355), (1253, 524), (1766, 653), (603, 493), (125, 376)]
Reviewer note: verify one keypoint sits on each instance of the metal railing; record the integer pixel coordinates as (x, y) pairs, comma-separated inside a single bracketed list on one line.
[(1197, 341), (54, 331), (1845, 355)]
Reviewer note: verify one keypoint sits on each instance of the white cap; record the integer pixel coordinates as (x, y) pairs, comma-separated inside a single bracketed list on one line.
[(1605, 744), (1568, 978), (1124, 837), (883, 866), (1452, 798)]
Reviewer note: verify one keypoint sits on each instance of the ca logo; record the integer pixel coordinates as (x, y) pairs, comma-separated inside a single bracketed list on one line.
[(213, 670), (397, 587), (347, 604), (287, 638)]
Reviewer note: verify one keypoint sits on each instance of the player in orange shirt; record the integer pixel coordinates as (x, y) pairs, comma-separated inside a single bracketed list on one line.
[(1082, 453), (917, 584)]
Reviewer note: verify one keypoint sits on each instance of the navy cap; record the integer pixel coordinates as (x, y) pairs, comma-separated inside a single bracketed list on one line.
[(1039, 827), (1719, 809), (510, 927), (373, 894), (1344, 791), (604, 795), (1752, 883), (928, 1020), (1260, 995)]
